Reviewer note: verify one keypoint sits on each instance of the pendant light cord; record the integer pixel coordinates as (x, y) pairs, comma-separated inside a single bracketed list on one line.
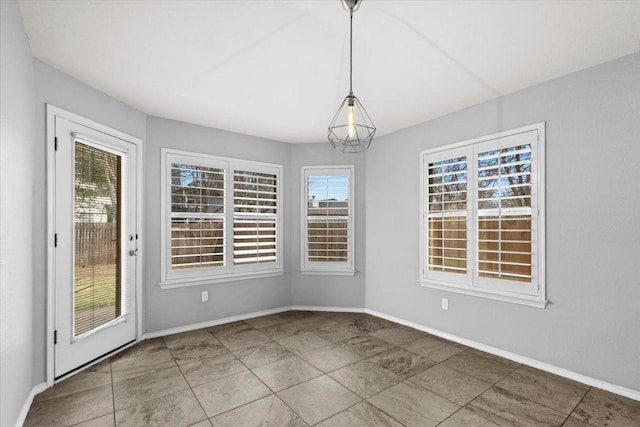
[(351, 52)]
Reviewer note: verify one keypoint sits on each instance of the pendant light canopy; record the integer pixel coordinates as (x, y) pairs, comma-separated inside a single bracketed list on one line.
[(351, 129)]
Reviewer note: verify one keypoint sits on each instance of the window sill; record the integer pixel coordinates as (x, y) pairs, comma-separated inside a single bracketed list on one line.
[(530, 301), (196, 281), (328, 272)]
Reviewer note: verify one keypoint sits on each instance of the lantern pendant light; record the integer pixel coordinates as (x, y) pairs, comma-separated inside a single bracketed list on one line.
[(351, 129)]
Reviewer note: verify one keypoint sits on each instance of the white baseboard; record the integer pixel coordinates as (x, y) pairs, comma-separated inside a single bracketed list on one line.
[(623, 391), (27, 403), (210, 323), (327, 308)]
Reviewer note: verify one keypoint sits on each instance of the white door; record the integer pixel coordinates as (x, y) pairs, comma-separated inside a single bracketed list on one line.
[(95, 244)]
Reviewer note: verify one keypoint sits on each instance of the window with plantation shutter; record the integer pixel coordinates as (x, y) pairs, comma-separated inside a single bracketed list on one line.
[(483, 217), (255, 217), (197, 216), (327, 220), (222, 219), (446, 185)]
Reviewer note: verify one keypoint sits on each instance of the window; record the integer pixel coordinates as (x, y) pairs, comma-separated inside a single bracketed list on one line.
[(221, 219), (327, 220), (483, 217)]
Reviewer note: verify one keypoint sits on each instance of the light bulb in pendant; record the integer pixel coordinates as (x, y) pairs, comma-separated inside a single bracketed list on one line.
[(350, 122)]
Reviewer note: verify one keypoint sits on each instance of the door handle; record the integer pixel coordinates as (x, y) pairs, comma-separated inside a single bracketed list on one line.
[(133, 252)]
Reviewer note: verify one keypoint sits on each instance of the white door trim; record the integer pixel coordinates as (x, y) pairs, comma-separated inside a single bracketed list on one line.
[(52, 113)]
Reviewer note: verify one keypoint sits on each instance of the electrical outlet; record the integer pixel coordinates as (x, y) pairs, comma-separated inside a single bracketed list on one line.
[(205, 296), (445, 304)]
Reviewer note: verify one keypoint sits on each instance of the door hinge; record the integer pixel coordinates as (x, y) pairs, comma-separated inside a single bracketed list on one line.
[(55, 337), (55, 240), (55, 145)]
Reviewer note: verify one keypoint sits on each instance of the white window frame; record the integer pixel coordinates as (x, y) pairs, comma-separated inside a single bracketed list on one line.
[(228, 272), (345, 268), (533, 294)]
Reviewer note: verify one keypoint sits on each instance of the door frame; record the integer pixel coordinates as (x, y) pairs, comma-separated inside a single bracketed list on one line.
[(51, 113)]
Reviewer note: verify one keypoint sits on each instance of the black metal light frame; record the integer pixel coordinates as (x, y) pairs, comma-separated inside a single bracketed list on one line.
[(359, 137)]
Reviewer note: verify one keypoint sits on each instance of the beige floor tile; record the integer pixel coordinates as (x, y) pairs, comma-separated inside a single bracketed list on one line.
[(266, 412), (365, 378), (365, 346), (140, 389), (551, 390), (71, 408), (175, 410), (466, 418), (230, 392), (142, 358), (103, 421), (191, 337), (292, 315), (188, 353), (398, 335), (330, 358), (146, 348), (434, 348), (574, 422), (92, 377), (205, 423), (244, 339), (286, 373), (281, 330), (262, 321), (601, 408), (402, 362), (483, 366), (230, 328), (368, 324), (335, 332), (303, 342), (206, 370), (413, 405), (262, 354), (315, 323), (504, 408), (453, 385), (318, 399), (361, 415), (345, 316), (194, 345)]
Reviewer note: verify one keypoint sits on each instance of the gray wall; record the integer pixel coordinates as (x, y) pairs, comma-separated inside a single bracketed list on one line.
[(61, 90), (593, 232), (171, 308), (17, 115), (334, 291)]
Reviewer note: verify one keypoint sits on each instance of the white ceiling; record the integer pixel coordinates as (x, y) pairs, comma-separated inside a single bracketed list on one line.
[(279, 69)]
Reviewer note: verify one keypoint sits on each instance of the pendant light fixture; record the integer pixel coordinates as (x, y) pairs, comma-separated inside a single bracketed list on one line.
[(351, 129)]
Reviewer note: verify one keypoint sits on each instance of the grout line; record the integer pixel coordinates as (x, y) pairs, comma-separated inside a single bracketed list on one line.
[(578, 404), (188, 384), (113, 392)]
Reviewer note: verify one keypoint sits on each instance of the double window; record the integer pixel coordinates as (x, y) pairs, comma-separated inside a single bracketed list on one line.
[(327, 220), (221, 219), (483, 216)]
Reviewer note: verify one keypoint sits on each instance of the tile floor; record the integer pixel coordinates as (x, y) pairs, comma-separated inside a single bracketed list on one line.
[(302, 368)]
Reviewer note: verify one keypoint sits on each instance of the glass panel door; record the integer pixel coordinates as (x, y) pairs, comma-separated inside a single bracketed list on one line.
[(95, 244), (98, 291)]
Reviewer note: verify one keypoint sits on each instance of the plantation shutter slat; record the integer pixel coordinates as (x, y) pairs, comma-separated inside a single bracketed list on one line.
[(446, 211), (504, 213), (255, 217), (197, 216)]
